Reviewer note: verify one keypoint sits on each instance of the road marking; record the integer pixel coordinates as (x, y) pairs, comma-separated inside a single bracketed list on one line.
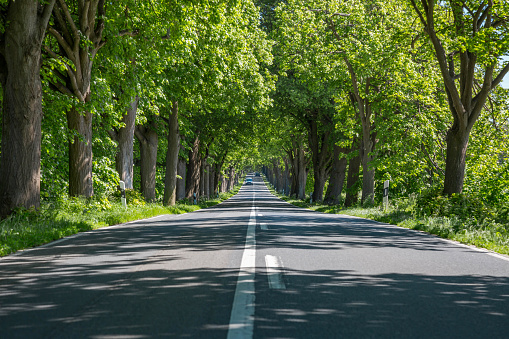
[(243, 310), (264, 226), (274, 273)]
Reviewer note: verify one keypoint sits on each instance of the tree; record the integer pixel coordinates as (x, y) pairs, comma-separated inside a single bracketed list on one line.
[(78, 36), (469, 38), (24, 27)]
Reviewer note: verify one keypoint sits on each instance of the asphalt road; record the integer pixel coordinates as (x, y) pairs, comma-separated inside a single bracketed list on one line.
[(254, 267)]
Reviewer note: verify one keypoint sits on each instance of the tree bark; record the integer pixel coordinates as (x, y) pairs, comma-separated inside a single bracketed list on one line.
[(172, 155), (302, 174), (231, 182), (193, 170), (212, 175), (276, 174), (181, 183), (206, 182), (352, 181), (286, 176), (125, 139), (320, 150), (148, 138), (337, 177), (80, 153), (202, 178), (20, 64), (368, 172), (457, 144), (218, 178)]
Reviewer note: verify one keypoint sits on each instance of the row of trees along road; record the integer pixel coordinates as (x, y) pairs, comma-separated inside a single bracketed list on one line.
[(330, 97), (403, 90), (187, 80)]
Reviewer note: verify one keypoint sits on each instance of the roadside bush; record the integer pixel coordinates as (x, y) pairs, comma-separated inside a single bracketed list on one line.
[(132, 197), (432, 203)]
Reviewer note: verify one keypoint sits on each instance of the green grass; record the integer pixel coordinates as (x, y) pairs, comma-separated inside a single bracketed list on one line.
[(487, 234), (55, 220)]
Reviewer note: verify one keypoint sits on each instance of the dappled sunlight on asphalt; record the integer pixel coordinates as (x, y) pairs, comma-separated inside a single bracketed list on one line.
[(175, 276)]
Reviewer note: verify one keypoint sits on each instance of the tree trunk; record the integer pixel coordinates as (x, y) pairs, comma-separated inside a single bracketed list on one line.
[(20, 156), (181, 183), (212, 176), (337, 177), (286, 176), (202, 178), (319, 144), (231, 182), (457, 144), (276, 175), (172, 156), (125, 139), (217, 180), (293, 176), (302, 174), (206, 182), (368, 172), (148, 138), (193, 170), (80, 153), (320, 176), (352, 181)]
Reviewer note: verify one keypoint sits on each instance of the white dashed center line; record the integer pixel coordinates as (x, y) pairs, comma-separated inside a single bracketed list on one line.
[(274, 273)]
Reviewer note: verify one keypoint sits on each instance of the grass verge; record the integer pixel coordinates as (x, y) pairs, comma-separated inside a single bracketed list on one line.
[(487, 234), (58, 219)]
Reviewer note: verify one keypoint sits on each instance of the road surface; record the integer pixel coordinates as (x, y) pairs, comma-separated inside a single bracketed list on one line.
[(254, 267)]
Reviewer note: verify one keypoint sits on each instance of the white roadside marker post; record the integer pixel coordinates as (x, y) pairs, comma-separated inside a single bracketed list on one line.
[(122, 194), (386, 194)]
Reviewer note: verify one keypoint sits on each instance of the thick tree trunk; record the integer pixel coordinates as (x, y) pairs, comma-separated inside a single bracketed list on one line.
[(125, 139), (193, 170), (217, 180), (172, 156), (320, 176), (302, 174), (231, 182), (181, 183), (206, 182), (368, 171), (147, 136), (212, 176), (276, 174), (319, 144), (457, 144), (20, 156), (80, 153), (286, 176), (352, 181), (224, 185), (337, 177)]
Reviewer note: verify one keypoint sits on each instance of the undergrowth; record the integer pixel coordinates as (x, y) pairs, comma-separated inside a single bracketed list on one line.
[(67, 216)]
